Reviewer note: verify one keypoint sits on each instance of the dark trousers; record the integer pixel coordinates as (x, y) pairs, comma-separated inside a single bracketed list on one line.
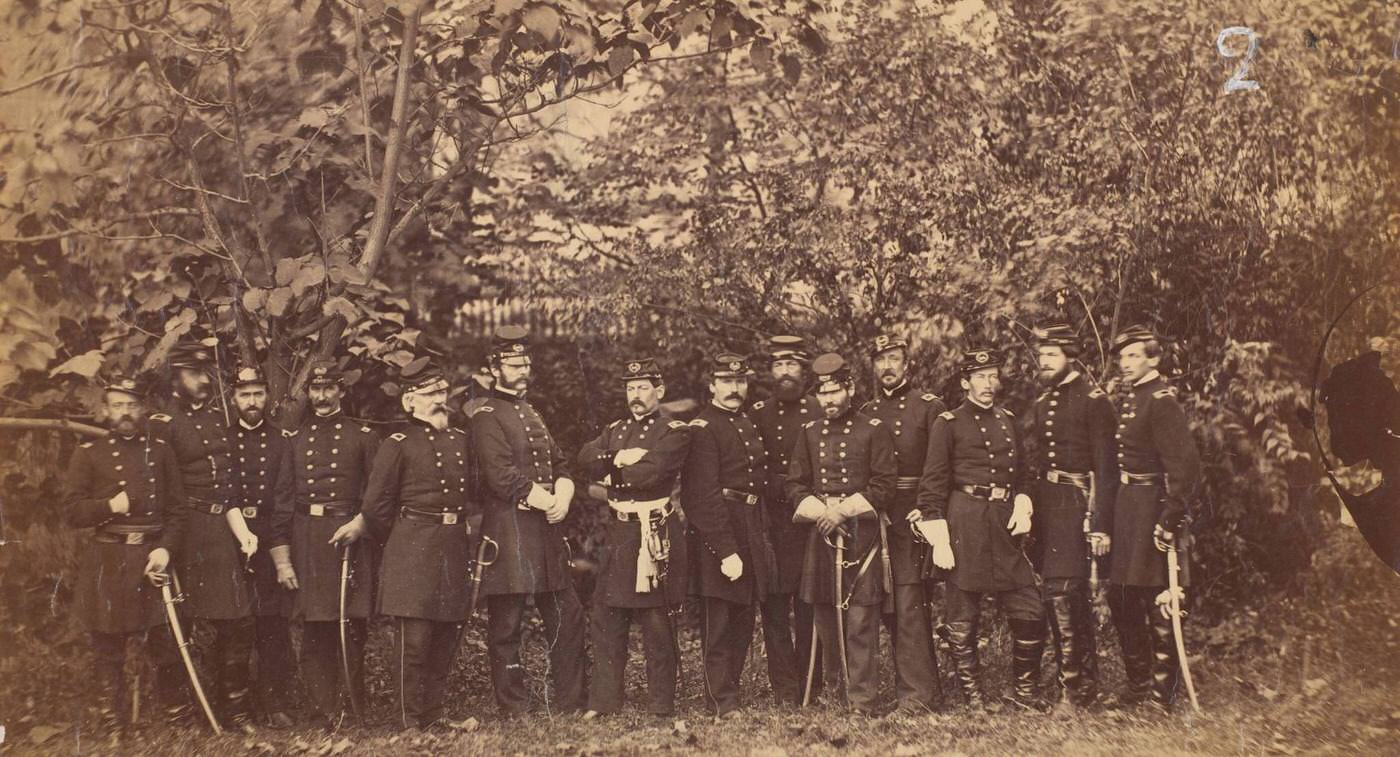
[(784, 671), (609, 631), (1072, 629), (275, 665), (228, 663), (726, 630), (802, 642), (423, 652), (563, 626), (1150, 662), (915, 665), (321, 667), (109, 670), (862, 642)]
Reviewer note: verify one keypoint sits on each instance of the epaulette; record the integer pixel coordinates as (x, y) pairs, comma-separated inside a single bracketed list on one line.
[(1096, 393), (162, 417), (947, 415), (484, 409), (929, 397), (758, 405), (86, 445), (700, 422), (290, 433), (1006, 412), (1168, 392), (677, 424), (398, 437), (874, 421), (809, 424), (615, 423)]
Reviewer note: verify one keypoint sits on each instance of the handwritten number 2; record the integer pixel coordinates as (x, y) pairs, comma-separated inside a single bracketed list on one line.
[(1238, 82)]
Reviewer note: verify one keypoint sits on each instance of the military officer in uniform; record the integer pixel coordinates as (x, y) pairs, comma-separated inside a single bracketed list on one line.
[(419, 502), (787, 621), (909, 414), (733, 565), (263, 495), (211, 568), (974, 502), (127, 489), (641, 575), (331, 458), (1072, 427), (1159, 470), (842, 477), (526, 493)]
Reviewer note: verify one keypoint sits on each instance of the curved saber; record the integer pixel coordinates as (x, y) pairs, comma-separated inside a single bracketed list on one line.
[(840, 608), (169, 598), (1174, 605), (344, 627), (481, 564)]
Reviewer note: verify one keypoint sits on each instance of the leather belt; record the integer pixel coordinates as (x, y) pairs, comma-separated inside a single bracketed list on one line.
[(741, 496), (127, 537), (328, 511), (1065, 477), (446, 518), (906, 482), (632, 511), (1140, 479), (205, 506), (986, 491)]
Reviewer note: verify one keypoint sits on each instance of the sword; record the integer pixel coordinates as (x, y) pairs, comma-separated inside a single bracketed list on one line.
[(840, 611), (811, 664), (1174, 608), (344, 626), (169, 598), (479, 568)]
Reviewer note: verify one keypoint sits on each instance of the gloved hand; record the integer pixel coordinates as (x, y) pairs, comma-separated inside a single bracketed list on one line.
[(349, 533), (282, 559), (1164, 599), (539, 498), (1163, 538), (247, 540), (808, 510), (156, 563), (1020, 522), (732, 567), (1099, 543), (119, 503), (935, 532), (563, 496), (629, 456)]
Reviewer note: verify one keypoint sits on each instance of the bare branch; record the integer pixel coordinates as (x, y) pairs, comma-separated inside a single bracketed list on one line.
[(36, 81), (101, 232)]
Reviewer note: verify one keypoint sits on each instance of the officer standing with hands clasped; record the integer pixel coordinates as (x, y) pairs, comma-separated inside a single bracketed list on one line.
[(642, 573), (974, 503), (419, 501), (127, 489), (842, 478)]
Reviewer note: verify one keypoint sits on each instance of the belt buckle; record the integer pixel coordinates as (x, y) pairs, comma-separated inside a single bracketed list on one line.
[(316, 510), (249, 512), (1000, 493), (135, 538), (449, 519), (750, 499), (1053, 477), (1123, 478), (216, 509)]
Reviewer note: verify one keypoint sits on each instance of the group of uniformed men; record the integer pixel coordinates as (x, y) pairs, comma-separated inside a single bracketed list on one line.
[(822, 518)]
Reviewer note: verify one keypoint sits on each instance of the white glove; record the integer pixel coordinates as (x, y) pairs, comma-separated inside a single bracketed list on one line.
[(1100, 543), (732, 567), (120, 504), (808, 510), (563, 497), (282, 559), (935, 532), (247, 540), (1164, 599), (539, 498), (1020, 522), (350, 532), (156, 563), (854, 505), (629, 456)]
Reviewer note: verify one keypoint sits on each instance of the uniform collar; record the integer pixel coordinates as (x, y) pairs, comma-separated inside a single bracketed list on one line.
[(1150, 376), (900, 388), (315, 415), (978, 407), (245, 425), (428, 426), (850, 410), (1069, 378), (644, 418), (724, 409)]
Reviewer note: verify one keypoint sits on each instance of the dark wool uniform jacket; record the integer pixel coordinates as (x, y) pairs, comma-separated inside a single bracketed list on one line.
[(779, 424)]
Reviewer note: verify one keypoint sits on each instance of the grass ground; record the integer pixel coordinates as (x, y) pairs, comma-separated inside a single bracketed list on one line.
[(1314, 673)]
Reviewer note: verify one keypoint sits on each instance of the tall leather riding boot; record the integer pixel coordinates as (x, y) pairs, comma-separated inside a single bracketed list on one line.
[(1165, 666), (233, 651), (962, 637), (1068, 629), (1131, 621), (1086, 641), (110, 657), (1027, 647)]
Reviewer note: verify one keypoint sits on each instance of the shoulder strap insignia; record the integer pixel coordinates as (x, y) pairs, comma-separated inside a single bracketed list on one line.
[(809, 424), (874, 421), (289, 433), (615, 423), (486, 409), (1006, 412), (1096, 393), (1168, 392), (366, 429), (162, 417), (86, 445), (929, 397), (758, 405), (398, 437), (159, 440), (947, 415), (700, 422), (677, 424)]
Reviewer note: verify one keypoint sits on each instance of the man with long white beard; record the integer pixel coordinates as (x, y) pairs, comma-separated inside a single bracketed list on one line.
[(419, 501)]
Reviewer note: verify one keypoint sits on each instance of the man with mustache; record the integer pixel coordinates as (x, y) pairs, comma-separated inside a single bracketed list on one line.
[(787, 621), (526, 493), (642, 572), (331, 457), (211, 570), (909, 414), (263, 494), (974, 503), (1160, 470), (1072, 424), (419, 502), (127, 489), (841, 479), (733, 566)]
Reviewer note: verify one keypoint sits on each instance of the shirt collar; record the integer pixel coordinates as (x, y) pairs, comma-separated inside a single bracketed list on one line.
[(1150, 375), (244, 424)]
